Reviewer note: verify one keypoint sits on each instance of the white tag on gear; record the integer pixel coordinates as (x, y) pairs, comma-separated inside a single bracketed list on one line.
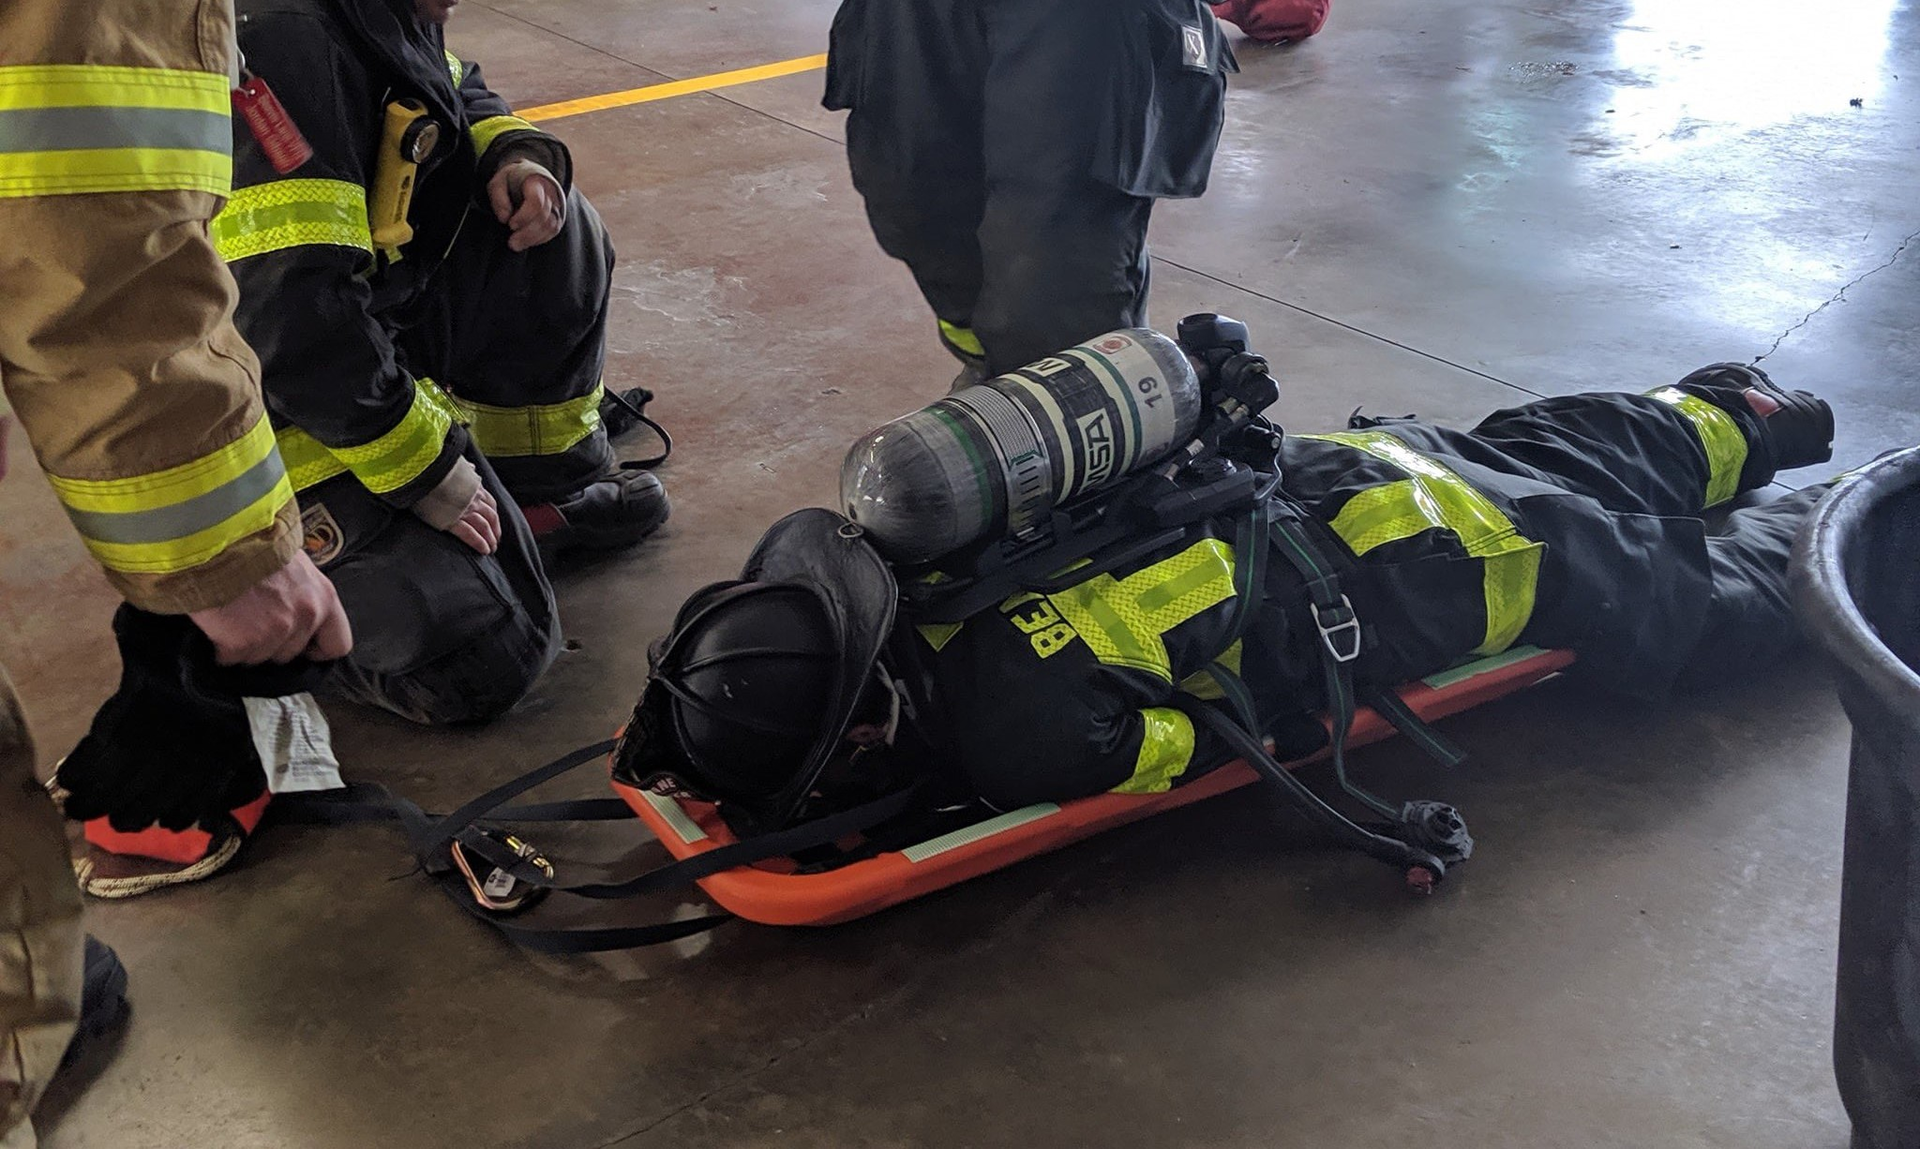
[(1193, 44), (294, 742)]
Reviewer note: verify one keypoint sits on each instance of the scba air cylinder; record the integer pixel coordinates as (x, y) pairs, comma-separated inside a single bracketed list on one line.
[(993, 459)]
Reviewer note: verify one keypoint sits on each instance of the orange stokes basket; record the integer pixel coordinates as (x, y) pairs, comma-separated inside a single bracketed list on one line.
[(774, 894)]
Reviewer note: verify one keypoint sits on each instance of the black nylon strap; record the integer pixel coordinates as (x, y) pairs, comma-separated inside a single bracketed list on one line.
[(1351, 833), (590, 939), (430, 836), (1323, 589), (1437, 746), (444, 830), (793, 839)]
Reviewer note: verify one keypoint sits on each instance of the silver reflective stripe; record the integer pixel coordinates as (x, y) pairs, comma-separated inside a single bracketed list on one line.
[(689, 830), (183, 519), (970, 834), (94, 128), (1480, 666)]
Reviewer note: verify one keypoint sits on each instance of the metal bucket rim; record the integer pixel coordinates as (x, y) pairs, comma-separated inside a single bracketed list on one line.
[(1820, 577)]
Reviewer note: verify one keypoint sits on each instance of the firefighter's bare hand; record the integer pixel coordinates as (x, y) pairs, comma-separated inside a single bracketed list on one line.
[(291, 612), (529, 201), (479, 525)]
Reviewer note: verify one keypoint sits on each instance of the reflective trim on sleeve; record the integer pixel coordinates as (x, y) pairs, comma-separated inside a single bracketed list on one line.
[(454, 67), (307, 459), (292, 213), (1166, 750), (69, 129), (963, 339), (1122, 620), (549, 429), (398, 457), (1722, 438), (492, 128), (179, 518), (1433, 497), (391, 461)]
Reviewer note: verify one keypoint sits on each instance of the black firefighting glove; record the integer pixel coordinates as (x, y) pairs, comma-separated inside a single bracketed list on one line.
[(172, 746)]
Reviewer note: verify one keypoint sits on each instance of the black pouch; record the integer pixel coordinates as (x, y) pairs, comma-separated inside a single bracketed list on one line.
[(1167, 103)]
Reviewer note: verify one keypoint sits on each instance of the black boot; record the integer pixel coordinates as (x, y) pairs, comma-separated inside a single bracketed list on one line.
[(616, 511), (103, 998), (1800, 427)]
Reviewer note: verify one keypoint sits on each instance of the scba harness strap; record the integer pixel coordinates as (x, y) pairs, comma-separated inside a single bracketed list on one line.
[(1232, 468)]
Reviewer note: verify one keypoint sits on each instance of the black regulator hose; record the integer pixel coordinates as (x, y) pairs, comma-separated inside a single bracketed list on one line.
[(1423, 870)]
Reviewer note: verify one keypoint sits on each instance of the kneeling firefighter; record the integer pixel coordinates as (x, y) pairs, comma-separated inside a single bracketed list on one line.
[(427, 295), (1111, 574)]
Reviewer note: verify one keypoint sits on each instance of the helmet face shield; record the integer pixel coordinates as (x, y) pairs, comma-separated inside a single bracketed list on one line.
[(751, 694)]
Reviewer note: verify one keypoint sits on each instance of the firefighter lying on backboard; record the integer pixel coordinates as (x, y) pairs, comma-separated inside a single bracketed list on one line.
[(1227, 579)]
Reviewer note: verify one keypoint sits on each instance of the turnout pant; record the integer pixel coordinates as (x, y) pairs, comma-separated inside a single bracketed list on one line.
[(441, 634), (519, 340), (40, 938), (1632, 578), (1009, 152)]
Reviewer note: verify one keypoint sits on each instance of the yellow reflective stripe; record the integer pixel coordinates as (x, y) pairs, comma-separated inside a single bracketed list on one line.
[(308, 461), (1166, 749), (492, 128), (1383, 514), (104, 86), (549, 429), (1725, 443), (1433, 496), (292, 213), (398, 457), (91, 171), (174, 485), (454, 67), (1122, 620), (962, 338), (939, 634), (131, 129), (181, 517), (1510, 580)]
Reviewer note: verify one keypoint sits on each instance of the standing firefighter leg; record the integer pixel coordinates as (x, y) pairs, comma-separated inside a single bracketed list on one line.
[(1010, 153), (39, 930), (520, 339), (912, 75)]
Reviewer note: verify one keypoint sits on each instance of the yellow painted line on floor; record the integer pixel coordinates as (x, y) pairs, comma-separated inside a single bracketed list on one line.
[(673, 88)]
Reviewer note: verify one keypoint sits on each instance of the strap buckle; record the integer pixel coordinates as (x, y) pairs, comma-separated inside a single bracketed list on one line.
[(1339, 630), (500, 892)]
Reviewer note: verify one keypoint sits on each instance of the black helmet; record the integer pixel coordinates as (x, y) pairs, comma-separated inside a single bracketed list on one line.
[(749, 696)]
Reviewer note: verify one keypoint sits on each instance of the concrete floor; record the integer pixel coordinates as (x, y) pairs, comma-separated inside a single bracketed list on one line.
[(1439, 206)]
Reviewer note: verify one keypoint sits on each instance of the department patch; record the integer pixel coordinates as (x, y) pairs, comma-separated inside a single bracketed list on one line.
[(322, 538)]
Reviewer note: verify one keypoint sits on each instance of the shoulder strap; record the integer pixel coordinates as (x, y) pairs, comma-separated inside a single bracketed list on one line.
[(1421, 836)]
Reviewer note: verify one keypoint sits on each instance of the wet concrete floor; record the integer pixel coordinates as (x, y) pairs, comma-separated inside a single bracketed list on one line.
[(1436, 206)]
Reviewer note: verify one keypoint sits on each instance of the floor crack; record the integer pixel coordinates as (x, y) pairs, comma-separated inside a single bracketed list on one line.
[(1838, 296)]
